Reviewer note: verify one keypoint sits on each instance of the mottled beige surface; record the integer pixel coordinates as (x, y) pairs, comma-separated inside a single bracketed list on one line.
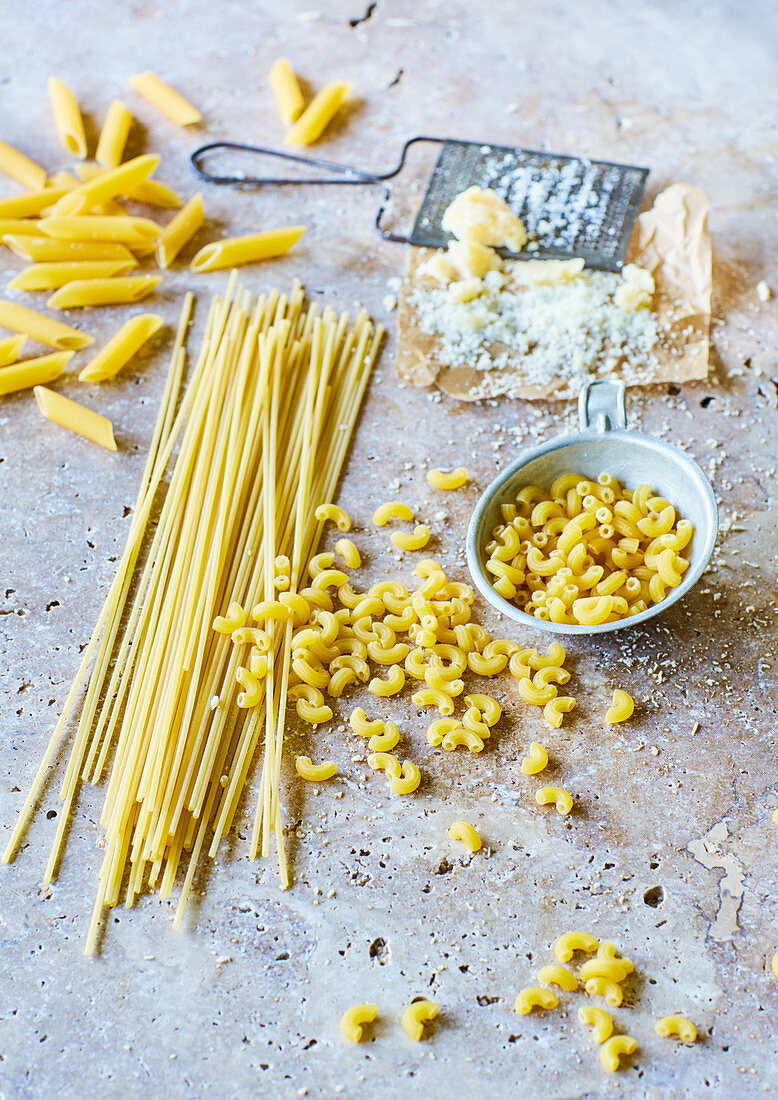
[(245, 1001)]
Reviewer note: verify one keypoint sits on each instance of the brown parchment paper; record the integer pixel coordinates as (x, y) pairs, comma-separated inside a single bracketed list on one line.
[(671, 240)]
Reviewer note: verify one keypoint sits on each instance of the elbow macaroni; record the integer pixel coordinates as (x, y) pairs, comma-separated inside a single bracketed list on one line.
[(464, 832), (453, 479), (416, 1016), (621, 708), (534, 997)]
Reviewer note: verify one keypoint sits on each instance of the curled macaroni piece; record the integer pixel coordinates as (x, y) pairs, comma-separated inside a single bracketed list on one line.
[(334, 578), (538, 696), (252, 689), (676, 1025), (392, 509), (462, 737), (233, 620), (453, 479), (550, 674), (252, 635), (390, 685), (607, 950), (417, 541), (599, 1020), (385, 762), (555, 656), (464, 832), (408, 781), (603, 987), (558, 975), (534, 997), (472, 721), (386, 741), (340, 680), (416, 1016), (349, 553), (353, 1020), (562, 799), (271, 611), (570, 942), (258, 663), (615, 970), (536, 759), (489, 707), (621, 708), (440, 728), (315, 773), (434, 697), (612, 1050), (334, 513), (309, 704), (320, 562), (556, 708)]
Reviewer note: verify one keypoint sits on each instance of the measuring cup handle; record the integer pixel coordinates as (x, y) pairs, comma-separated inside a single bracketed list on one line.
[(602, 406)]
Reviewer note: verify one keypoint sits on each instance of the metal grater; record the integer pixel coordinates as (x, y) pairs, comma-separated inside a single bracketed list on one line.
[(571, 206)]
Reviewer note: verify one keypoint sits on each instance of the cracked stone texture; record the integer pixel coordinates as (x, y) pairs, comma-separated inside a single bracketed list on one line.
[(671, 850)]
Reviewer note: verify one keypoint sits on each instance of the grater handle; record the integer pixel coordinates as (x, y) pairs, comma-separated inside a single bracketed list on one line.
[(334, 173), (602, 406)]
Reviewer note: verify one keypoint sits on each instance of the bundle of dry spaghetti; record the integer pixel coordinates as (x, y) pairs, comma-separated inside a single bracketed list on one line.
[(262, 434)]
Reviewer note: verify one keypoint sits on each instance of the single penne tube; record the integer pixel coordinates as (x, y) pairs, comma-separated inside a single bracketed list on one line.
[(165, 99), (106, 186), (96, 227), (180, 230), (246, 250), (121, 348), (149, 191), (21, 168), (11, 349), (49, 250), (69, 414), (103, 292), (114, 134), (46, 330), (31, 204), (285, 88), (318, 114), (66, 180), (50, 276), (67, 118), (33, 372), (18, 227)]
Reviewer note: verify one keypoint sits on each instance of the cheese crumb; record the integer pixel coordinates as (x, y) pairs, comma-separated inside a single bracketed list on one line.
[(637, 290), (763, 292), (481, 215)]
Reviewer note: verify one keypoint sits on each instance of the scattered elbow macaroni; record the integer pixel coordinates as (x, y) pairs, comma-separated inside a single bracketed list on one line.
[(599, 1020), (315, 773), (612, 1050), (587, 552), (621, 708), (353, 1020), (558, 975), (464, 832), (416, 1016), (535, 760), (453, 479), (392, 509), (570, 942), (562, 799), (535, 997), (678, 1026)]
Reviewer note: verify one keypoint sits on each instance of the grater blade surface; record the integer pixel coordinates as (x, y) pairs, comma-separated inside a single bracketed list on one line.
[(570, 206)]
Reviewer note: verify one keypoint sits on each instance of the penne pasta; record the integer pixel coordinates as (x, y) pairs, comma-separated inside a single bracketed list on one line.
[(103, 292), (11, 349), (18, 227), (180, 230), (49, 276), (69, 414), (95, 227), (46, 330), (33, 372), (21, 168), (48, 250), (114, 134), (318, 114), (67, 118), (106, 186), (121, 348), (285, 88), (165, 99), (246, 250), (149, 191), (31, 204)]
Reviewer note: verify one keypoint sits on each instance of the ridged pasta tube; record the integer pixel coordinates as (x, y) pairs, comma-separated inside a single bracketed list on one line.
[(612, 1050), (464, 832), (353, 1020), (416, 1016), (534, 997)]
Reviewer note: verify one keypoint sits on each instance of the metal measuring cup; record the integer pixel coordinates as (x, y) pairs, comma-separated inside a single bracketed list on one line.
[(602, 445)]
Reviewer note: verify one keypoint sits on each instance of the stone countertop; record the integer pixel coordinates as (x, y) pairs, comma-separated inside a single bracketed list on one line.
[(671, 851)]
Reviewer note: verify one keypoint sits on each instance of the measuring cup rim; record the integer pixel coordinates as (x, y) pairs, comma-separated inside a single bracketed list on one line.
[(692, 575)]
